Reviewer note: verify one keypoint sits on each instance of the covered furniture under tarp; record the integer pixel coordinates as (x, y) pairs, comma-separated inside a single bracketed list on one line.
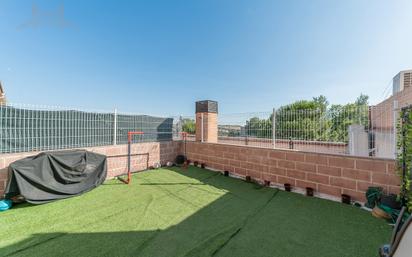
[(51, 176)]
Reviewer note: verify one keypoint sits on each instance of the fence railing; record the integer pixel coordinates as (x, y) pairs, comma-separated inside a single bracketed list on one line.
[(350, 130), (35, 128)]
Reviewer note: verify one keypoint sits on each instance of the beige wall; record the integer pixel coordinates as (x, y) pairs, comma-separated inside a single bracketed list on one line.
[(209, 127)]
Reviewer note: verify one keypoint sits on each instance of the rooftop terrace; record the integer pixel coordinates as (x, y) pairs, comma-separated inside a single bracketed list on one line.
[(194, 212)]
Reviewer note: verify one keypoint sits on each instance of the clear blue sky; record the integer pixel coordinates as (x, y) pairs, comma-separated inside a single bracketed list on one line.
[(159, 57)]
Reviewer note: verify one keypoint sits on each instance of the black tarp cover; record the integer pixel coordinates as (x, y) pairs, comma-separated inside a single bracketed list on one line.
[(51, 176)]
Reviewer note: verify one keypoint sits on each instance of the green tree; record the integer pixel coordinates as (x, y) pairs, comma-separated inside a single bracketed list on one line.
[(261, 128), (189, 126), (303, 120), (342, 116), (312, 120)]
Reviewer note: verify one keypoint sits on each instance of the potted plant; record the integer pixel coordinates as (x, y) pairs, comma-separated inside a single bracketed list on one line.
[(196, 163), (267, 183), (248, 179), (203, 165), (226, 173)]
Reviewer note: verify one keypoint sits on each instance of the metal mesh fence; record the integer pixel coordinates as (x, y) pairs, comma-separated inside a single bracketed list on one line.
[(353, 130), (32, 128), (154, 128)]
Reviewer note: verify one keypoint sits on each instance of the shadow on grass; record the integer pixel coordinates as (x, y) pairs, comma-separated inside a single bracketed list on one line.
[(245, 220)]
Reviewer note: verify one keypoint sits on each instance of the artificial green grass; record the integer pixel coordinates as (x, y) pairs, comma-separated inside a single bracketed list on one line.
[(169, 212)]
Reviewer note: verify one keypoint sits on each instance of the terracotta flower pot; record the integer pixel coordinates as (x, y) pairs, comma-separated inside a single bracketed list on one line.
[(203, 165), (196, 163), (309, 191), (288, 187), (226, 173), (346, 199)]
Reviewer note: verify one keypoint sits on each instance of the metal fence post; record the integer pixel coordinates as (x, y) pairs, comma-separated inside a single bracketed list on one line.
[(115, 127), (180, 126), (274, 128)]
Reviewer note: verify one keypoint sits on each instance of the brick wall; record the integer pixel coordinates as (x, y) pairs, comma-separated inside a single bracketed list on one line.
[(301, 145), (149, 154), (328, 174), (382, 115), (209, 127)]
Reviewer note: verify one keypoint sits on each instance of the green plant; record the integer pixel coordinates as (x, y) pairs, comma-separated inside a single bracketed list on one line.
[(312, 120), (404, 156), (189, 126)]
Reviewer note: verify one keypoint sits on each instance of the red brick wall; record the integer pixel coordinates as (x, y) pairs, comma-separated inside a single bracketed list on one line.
[(382, 114), (328, 174), (151, 153)]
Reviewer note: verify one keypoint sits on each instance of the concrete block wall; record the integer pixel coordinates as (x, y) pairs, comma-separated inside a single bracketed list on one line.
[(328, 174), (331, 175), (149, 154)]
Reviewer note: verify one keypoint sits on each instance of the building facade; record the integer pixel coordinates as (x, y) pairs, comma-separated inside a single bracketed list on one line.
[(2, 95), (402, 81)]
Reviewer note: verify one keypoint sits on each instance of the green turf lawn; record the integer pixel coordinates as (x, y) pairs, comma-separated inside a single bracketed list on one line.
[(169, 212)]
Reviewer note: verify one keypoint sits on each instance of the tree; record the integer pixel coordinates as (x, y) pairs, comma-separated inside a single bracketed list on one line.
[(189, 126), (342, 116), (302, 120), (362, 100), (261, 128), (312, 120)]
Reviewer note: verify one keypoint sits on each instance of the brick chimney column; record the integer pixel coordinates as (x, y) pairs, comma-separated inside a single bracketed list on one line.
[(206, 121)]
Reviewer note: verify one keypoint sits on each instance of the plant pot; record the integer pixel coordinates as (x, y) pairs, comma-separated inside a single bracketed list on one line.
[(196, 163), (203, 165), (226, 173), (180, 159), (379, 213), (188, 162), (309, 191), (346, 199), (391, 201), (288, 187), (248, 179), (267, 183)]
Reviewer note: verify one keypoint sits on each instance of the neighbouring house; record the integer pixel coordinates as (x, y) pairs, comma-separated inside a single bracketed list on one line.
[(384, 115), (2, 95), (402, 81)]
